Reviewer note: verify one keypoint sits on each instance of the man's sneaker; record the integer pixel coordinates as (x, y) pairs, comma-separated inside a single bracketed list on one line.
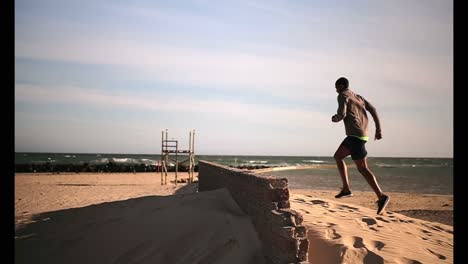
[(382, 203), (344, 194)]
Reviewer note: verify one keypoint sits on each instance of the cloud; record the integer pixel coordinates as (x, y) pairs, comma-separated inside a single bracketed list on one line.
[(295, 74), (250, 112), (289, 63)]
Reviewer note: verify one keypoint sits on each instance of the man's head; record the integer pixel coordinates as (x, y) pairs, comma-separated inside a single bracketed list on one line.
[(341, 84)]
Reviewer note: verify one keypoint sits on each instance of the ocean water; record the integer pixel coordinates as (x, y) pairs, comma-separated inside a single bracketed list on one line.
[(414, 175)]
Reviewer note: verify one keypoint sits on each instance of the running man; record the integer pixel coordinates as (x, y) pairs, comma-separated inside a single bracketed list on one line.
[(352, 110)]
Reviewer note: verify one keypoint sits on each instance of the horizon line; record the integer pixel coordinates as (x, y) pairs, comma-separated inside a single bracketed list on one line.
[(249, 155)]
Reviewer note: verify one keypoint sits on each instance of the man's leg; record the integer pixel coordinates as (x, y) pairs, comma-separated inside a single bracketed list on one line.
[(362, 167), (341, 153)]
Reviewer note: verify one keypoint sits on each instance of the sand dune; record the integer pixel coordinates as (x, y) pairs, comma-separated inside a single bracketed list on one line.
[(347, 233), (132, 218), (205, 227), (429, 207)]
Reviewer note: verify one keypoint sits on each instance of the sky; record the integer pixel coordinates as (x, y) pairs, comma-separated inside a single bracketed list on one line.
[(250, 77)]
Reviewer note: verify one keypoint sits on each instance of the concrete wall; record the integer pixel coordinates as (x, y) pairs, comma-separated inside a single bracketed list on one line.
[(266, 200)]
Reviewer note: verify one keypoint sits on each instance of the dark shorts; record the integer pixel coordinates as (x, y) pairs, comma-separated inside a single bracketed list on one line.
[(356, 146)]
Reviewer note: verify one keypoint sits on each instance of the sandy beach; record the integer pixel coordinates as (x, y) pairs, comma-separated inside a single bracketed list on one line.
[(73, 212), (44, 192), (429, 207)]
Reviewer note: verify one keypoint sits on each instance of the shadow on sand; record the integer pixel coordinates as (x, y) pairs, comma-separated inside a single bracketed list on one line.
[(151, 229), (187, 189)]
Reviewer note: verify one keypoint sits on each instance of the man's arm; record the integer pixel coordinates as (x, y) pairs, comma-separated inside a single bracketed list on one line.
[(341, 112), (375, 116)]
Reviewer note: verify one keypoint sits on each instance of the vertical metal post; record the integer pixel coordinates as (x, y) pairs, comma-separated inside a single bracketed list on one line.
[(193, 153), (193, 141), (176, 161), (190, 157), (162, 155), (167, 159)]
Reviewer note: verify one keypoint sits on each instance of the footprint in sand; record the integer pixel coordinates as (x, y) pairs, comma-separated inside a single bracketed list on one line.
[(324, 224), (331, 233), (371, 257), (352, 209), (305, 211), (369, 221), (403, 221), (426, 233), (382, 219), (359, 242), (378, 245), (319, 202), (436, 254)]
